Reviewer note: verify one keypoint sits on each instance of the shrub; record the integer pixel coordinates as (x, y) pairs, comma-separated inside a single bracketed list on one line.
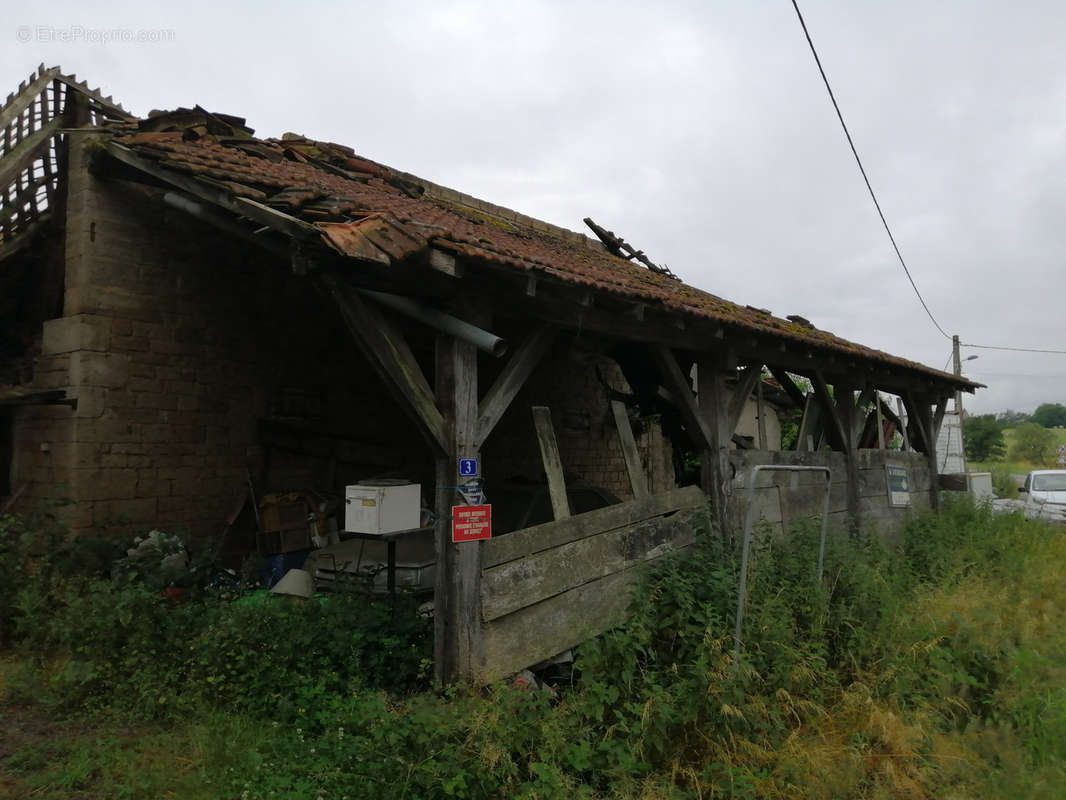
[(896, 651), (983, 438), (114, 640), (1032, 443)]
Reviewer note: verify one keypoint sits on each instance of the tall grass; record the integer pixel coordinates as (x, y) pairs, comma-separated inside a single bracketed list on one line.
[(933, 669)]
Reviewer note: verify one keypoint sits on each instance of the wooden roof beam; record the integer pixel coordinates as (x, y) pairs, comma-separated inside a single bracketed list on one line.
[(263, 214), (510, 381), (391, 357), (681, 389), (831, 417)]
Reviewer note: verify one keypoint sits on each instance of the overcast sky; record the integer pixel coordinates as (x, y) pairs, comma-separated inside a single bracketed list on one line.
[(699, 131)]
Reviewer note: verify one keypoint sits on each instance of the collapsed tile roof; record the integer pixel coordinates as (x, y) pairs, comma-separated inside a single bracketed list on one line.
[(366, 210)]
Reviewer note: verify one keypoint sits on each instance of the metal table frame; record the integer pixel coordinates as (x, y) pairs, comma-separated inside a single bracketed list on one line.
[(390, 539)]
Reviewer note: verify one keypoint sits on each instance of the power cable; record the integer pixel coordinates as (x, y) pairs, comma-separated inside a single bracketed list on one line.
[(862, 169), (1013, 349), (979, 374)]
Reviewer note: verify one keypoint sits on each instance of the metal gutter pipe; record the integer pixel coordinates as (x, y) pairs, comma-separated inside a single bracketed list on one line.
[(482, 339)]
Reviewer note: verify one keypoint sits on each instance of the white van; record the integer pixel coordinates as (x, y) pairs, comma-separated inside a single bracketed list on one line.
[(1045, 494)]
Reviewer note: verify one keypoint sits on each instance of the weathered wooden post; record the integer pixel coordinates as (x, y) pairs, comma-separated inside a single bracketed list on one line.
[(457, 614), (713, 398), (845, 401)]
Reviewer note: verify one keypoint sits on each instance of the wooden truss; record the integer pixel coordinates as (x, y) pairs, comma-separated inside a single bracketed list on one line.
[(31, 123)]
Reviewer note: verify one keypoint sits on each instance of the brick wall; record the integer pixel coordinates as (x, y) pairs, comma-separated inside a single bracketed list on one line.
[(568, 381)]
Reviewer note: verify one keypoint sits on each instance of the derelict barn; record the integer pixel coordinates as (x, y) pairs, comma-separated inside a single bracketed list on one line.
[(188, 309)]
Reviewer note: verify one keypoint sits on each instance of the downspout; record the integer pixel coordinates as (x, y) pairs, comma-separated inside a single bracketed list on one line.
[(482, 339)]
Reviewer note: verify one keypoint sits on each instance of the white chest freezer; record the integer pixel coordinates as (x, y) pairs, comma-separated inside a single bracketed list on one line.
[(382, 506)]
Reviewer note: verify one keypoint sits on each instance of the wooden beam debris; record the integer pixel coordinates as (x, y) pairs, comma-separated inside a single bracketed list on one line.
[(637, 479), (553, 465), (618, 246)]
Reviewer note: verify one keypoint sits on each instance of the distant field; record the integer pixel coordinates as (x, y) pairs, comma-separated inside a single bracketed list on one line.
[(1017, 467)]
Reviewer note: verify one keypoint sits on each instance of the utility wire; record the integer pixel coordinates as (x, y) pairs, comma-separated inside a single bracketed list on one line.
[(862, 169), (981, 374), (1013, 349)]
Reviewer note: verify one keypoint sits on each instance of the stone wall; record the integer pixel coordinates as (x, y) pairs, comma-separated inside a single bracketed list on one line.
[(783, 499), (177, 342)]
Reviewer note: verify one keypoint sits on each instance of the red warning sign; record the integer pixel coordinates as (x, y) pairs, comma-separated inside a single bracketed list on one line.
[(470, 523)]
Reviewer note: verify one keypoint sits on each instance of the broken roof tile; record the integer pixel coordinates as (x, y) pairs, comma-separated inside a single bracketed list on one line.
[(330, 179)]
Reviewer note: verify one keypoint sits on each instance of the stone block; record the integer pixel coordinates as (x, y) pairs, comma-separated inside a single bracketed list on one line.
[(129, 344), (92, 400), (140, 510), (77, 332), (109, 370), (103, 484), (112, 300)]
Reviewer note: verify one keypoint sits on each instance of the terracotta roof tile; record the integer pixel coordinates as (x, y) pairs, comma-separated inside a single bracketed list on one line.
[(377, 210)]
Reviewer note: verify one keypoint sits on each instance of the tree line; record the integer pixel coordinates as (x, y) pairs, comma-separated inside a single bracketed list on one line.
[(1032, 440)]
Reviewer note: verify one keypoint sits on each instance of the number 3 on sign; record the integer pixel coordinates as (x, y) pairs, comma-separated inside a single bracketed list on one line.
[(468, 468)]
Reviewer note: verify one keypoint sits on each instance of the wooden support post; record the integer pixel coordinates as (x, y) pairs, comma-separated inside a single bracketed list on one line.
[(806, 440), (938, 418), (918, 431), (760, 410), (902, 428), (714, 456), (835, 430), (865, 396), (880, 423), (637, 479), (929, 425), (845, 402), (553, 465), (458, 584)]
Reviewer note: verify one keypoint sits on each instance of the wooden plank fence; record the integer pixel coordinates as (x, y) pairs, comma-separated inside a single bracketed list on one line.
[(548, 588)]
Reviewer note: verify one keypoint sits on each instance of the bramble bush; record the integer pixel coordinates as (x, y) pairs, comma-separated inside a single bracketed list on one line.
[(110, 639), (891, 676)]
